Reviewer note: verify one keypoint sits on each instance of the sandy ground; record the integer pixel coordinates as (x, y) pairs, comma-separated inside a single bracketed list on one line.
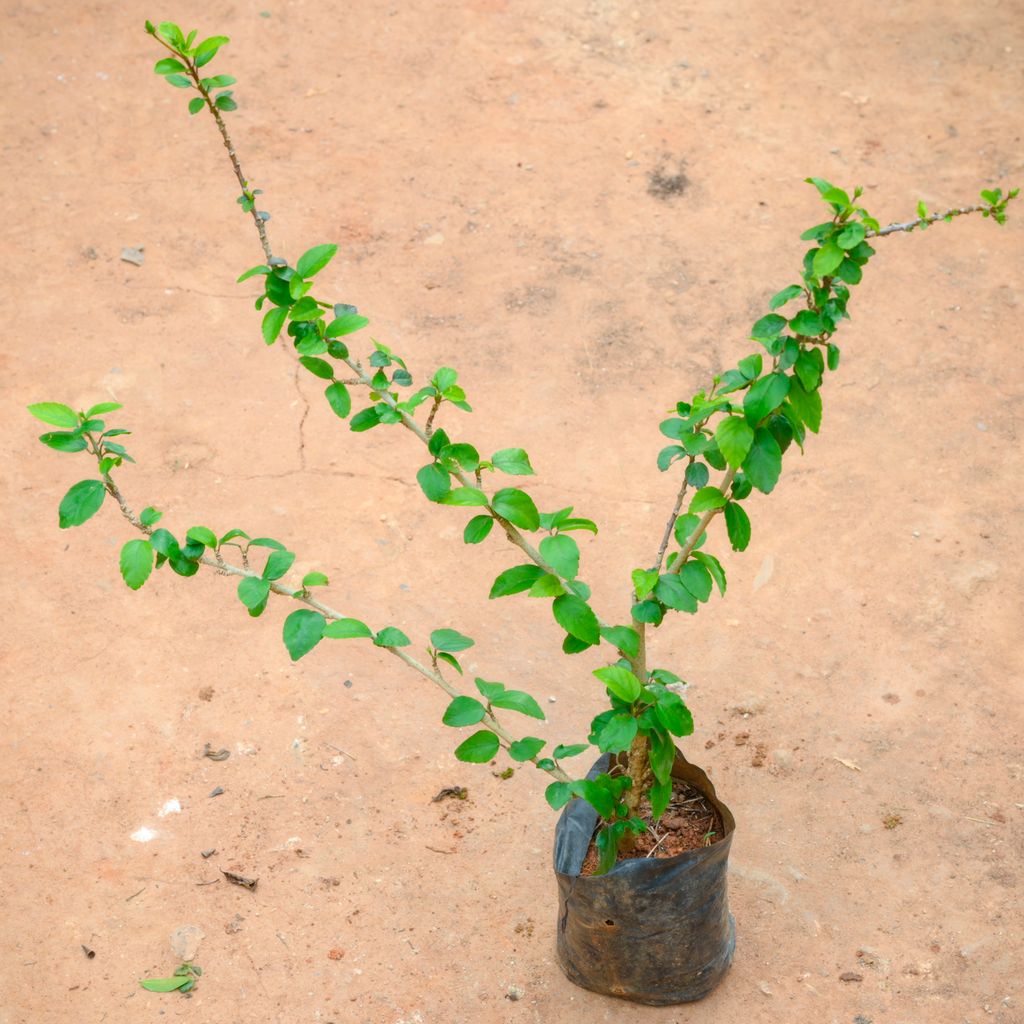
[(485, 167)]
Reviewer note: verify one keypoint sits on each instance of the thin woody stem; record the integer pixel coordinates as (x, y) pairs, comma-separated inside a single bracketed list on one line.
[(956, 211), (226, 569), (670, 525), (702, 526)]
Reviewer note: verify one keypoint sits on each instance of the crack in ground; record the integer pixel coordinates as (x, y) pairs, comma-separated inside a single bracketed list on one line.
[(302, 421)]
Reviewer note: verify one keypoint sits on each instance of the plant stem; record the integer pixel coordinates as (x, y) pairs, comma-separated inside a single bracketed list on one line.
[(670, 525), (702, 526), (956, 211), (226, 569)]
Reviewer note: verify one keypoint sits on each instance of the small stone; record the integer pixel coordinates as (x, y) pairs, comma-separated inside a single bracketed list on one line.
[(435, 239), (185, 941), (851, 976), (514, 994), (763, 986), (134, 256)]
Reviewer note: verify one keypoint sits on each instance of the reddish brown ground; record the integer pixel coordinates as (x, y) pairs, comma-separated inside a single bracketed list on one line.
[(486, 166)]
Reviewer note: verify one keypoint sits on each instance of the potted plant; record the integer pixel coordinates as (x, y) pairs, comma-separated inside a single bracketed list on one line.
[(642, 843)]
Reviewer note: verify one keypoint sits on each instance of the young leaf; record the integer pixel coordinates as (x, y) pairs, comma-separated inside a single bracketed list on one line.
[(303, 630), (312, 261), (136, 562), (513, 461), (624, 638), (464, 496), (734, 435), (768, 327), (516, 700), (574, 615), (314, 579), (562, 554), (463, 711), (81, 503), (737, 522), (63, 441), (202, 535), (54, 413), (195, 105), (765, 395), (479, 748), (515, 580), (477, 529), (620, 681), (339, 398), (278, 564), (525, 749), (562, 752), (517, 507), (207, 49), (707, 498), (781, 298), (644, 581), (763, 463), (150, 516), (273, 322), (253, 592), (389, 636), (347, 629), (434, 481), (450, 640), (827, 259), (346, 323)]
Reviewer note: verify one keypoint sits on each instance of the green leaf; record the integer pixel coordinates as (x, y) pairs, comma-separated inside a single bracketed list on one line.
[(575, 616), (206, 50), (150, 516), (260, 268), (347, 323), (737, 522), (318, 367), (763, 463), (851, 236), (165, 984), (827, 259), (697, 474), (338, 398), (807, 323), (713, 566), (513, 461), (781, 298), (273, 322), (194, 106), (516, 700), (807, 406), (434, 481), (389, 636), (306, 309), (54, 413), (515, 580), (479, 748), (253, 592), (464, 454), (660, 795), (347, 629), (572, 750), (314, 579), (517, 507), (202, 535), (136, 562), (697, 580), (707, 498), (685, 527), (81, 503), (63, 441), (750, 366), (178, 81), (734, 436), (647, 611), (620, 681), (548, 585), (477, 529), (168, 66), (464, 711), (577, 523), (671, 593), (312, 261), (303, 630), (558, 794), (464, 496), (267, 542), (525, 749), (768, 327), (450, 640), (764, 396), (103, 407), (644, 581), (673, 713), (278, 564), (616, 734), (562, 554), (624, 638), (451, 660)]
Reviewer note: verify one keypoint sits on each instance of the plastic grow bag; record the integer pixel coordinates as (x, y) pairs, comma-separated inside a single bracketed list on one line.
[(652, 930)]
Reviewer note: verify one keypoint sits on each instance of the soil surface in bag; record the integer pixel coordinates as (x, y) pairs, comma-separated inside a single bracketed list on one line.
[(691, 821), (653, 930)]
